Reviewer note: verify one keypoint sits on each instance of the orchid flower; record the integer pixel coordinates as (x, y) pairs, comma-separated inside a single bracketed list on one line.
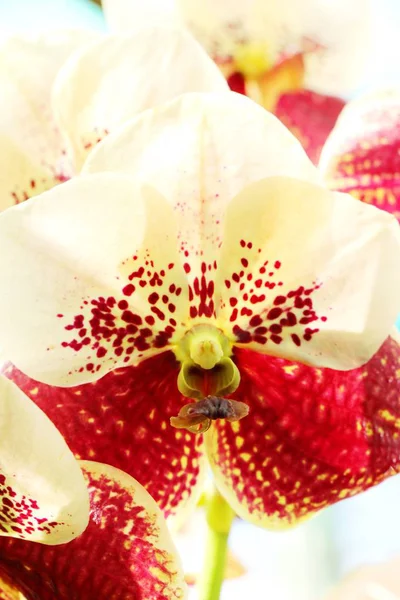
[(199, 257), (42, 490), (59, 97), (362, 154), (125, 551), (297, 59)]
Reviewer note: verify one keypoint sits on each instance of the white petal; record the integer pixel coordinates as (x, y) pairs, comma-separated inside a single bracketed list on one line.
[(199, 151), (92, 279), (343, 32), (308, 274), (31, 147), (43, 493), (125, 15), (118, 77), (334, 35)]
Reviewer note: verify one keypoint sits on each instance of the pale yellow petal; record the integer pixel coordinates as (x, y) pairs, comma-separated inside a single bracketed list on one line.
[(44, 495)]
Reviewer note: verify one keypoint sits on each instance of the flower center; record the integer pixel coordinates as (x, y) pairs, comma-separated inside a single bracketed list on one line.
[(207, 369), (252, 60)]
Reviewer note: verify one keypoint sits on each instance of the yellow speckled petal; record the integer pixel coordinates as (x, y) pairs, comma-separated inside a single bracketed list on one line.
[(312, 436)]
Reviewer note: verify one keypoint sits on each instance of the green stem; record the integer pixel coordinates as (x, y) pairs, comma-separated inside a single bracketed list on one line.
[(219, 520)]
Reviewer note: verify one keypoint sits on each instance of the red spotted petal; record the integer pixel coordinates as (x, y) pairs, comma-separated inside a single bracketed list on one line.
[(123, 420), (362, 155), (310, 117), (312, 437), (125, 552)]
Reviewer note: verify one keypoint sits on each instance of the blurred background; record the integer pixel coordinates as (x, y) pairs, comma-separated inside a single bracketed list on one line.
[(357, 541)]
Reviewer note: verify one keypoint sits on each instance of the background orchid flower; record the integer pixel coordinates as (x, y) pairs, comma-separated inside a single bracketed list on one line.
[(362, 154), (222, 268), (54, 110), (125, 552), (292, 57), (43, 494)]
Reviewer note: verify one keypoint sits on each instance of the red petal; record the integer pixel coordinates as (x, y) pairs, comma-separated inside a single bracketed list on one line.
[(312, 437), (125, 552), (362, 156), (123, 420), (310, 117)]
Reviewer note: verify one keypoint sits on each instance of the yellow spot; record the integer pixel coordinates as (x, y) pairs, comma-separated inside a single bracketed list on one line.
[(319, 374), (275, 471), (290, 369), (280, 499), (245, 456), (184, 462), (349, 169), (235, 426), (343, 494), (239, 442), (259, 476), (178, 435), (152, 414)]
